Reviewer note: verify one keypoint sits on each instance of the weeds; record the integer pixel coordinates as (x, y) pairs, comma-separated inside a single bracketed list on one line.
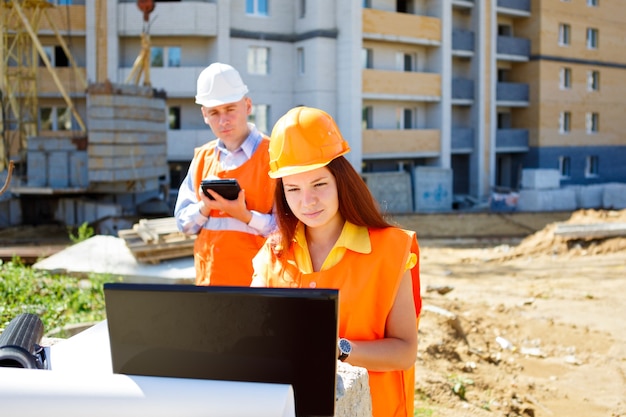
[(83, 232), (58, 300)]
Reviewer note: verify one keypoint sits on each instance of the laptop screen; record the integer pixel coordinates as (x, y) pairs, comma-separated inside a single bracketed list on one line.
[(279, 335)]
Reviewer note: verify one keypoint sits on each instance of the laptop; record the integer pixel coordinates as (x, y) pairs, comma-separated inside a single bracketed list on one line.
[(276, 335)]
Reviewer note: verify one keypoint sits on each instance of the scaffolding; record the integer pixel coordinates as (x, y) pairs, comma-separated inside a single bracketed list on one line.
[(22, 52)]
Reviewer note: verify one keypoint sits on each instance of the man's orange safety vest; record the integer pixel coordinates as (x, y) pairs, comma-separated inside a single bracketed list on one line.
[(224, 257)]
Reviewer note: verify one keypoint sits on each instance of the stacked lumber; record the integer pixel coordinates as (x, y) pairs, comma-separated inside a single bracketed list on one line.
[(154, 240)]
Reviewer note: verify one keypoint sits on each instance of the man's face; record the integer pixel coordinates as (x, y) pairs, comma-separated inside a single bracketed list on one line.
[(229, 122)]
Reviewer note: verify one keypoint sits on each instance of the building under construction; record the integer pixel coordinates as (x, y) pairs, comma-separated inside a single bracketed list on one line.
[(445, 104), (65, 172)]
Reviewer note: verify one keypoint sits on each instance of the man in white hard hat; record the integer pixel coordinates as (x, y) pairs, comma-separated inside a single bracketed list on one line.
[(229, 232)]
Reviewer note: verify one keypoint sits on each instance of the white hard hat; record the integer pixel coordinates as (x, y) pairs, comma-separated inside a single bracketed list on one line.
[(219, 84)]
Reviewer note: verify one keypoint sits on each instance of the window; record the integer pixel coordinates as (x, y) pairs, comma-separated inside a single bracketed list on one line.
[(566, 78), (593, 80), (368, 58), (301, 62), (56, 56), (55, 118), (258, 60), (405, 118), (173, 118), (173, 56), (257, 7), (302, 9), (156, 56), (593, 3), (505, 30), (162, 56), (565, 122), (367, 118), (406, 62), (565, 166), (592, 38), (564, 34), (260, 117), (593, 122), (592, 166), (504, 120)]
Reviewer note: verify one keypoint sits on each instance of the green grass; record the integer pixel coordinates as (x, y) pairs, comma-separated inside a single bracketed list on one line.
[(58, 300)]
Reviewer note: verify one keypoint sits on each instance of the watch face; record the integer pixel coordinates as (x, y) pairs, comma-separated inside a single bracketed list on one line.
[(345, 346)]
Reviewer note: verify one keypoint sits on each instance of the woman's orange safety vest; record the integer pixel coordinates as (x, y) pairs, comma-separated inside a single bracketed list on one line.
[(367, 285), (224, 257)]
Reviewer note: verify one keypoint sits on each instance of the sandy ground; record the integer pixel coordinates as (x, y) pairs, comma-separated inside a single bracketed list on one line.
[(535, 328)]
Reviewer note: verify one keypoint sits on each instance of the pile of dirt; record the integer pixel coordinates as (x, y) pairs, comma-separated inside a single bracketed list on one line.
[(546, 242), (532, 330)]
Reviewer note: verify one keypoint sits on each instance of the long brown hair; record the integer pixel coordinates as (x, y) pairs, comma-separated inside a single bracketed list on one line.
[(356, 203)]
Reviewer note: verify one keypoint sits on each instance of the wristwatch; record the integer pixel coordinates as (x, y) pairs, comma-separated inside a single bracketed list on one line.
[(344, 349)]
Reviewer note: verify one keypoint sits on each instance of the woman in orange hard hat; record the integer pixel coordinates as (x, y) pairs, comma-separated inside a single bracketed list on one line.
[(332, 235)]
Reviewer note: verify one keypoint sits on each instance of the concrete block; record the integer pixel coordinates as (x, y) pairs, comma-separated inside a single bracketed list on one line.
[(563, 199), (10, 212), (353, 392), (65, 212), (588, 196), (392, 190), (614, 196), (58, 169), (37, 169), (433, 189), (79, 170), (541, 179), (90, 211)]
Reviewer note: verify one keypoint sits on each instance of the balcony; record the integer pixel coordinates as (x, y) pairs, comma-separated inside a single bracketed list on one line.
[(462, 140), (513, 49), (463, 3), (401, 27), (398, 85), (188, 18), (512, 94), (401, 143), (73, 81), (514, 7), (177, 81), (511, 140), (462, 89), (69, 20), (462, 41)]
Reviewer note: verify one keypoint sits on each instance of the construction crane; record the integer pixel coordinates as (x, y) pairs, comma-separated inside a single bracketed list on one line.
[(21, 52)]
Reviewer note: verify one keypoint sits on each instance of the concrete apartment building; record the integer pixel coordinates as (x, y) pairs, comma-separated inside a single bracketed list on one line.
[(474, 90)]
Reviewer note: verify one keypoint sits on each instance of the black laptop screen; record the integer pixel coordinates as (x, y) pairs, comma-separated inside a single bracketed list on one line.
[(278, 335)]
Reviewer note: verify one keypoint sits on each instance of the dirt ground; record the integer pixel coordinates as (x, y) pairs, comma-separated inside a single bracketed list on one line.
[(533, 328)]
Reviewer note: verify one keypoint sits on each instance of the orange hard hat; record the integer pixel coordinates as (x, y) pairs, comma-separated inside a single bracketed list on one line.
[(302, 140)]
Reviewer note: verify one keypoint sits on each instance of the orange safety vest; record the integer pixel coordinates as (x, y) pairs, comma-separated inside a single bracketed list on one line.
[(367, 286), (224, 257)]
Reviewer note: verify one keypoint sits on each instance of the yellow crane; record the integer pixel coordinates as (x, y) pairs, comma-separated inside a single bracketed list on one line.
[(21, 51)]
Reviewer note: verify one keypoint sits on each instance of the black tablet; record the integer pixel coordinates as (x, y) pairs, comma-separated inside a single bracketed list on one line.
[(226, 187)]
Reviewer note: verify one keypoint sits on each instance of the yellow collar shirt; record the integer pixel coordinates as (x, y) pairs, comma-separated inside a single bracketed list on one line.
[(352, 237)]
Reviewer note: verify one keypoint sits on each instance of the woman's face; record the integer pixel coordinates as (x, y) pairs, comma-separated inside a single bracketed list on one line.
[(312, 196)]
